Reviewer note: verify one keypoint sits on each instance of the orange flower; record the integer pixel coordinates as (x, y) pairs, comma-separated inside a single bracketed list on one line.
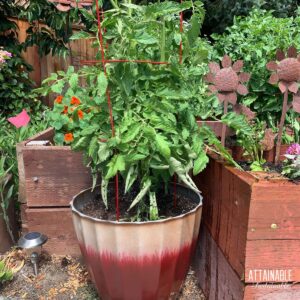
[(65, 111), (58, 99), (69, 137), (75, 101), (80, 114)]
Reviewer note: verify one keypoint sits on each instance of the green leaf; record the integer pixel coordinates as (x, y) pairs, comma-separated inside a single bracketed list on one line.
[(163, 146), (153, 207), (194, 31), (131, 133), (104, 186), (145, 38), (130, 178), (59, 138), (81, 143), (57, 87), (103, 152), (80, 35), (73, 81), (256, 167), (116, 164), (146, 186), (93, 149), (52, 77), (102, 83), (135, 157), (200, 163)]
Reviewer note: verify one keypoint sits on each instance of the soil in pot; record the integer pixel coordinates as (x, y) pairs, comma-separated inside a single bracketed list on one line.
[(165, 202)]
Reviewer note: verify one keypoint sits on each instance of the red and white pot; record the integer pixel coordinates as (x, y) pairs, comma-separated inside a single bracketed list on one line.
[(140, 260)]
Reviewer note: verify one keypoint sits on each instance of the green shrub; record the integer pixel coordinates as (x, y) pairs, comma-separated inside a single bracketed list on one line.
[(5, 273), (220, 14), (255, 39)]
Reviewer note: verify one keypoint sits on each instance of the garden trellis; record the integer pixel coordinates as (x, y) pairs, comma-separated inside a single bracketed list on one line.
[(66, 5)]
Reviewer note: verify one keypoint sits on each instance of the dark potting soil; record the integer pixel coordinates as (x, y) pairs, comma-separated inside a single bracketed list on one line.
[(268, 167), (165, 203)]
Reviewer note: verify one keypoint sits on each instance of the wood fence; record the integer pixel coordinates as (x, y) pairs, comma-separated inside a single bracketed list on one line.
[(44, 66)]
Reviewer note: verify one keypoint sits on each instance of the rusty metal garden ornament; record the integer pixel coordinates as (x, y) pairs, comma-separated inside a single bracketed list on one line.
[(286, 72), (66, 5), (226, 83)]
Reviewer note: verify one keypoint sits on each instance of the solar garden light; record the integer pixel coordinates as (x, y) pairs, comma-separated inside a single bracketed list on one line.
[(32, 242)]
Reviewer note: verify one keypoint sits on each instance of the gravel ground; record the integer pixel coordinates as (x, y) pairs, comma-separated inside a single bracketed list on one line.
[(64, 278)]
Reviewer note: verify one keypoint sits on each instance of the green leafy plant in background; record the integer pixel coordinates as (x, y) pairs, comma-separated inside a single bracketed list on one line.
[(156, 134), (255, 39), (220, 14), (5, 273), (252, 136), (6, 195), (15, 85)]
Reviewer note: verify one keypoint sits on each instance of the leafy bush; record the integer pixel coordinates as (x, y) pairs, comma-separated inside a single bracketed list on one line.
[(6, 195), (15, 85), (253, 136), (156, 135), (220, 14), (255, 39), (5, 273)]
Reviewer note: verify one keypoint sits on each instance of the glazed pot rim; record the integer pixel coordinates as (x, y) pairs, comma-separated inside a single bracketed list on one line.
[(169, 219)]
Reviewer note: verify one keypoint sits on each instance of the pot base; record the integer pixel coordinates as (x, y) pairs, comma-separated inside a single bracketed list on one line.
[(137, 260), (134, 278)]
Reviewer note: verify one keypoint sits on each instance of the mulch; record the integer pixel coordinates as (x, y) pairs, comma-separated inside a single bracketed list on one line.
[(63, 278)]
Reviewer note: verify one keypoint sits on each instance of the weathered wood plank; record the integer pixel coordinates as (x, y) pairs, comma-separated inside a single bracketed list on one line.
[(53, 176), (273, 255), (57, 224), (50, 175), (44, 135), (219, 281), (216, 277), (226, 208), (276, 218), (272, 292)]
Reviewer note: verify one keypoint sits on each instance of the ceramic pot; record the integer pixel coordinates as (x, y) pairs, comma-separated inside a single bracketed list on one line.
[(138, 260)]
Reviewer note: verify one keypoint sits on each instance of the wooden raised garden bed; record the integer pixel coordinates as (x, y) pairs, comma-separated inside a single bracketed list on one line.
[(49, 178), (250, 223)]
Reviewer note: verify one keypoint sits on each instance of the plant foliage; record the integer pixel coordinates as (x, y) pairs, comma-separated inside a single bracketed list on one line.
[(156, 134), (255, 39)]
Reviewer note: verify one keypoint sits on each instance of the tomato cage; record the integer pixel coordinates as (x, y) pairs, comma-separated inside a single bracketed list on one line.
[(66, 5)]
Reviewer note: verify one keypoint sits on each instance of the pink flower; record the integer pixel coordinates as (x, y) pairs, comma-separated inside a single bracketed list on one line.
[(294, 149), (22, 119)]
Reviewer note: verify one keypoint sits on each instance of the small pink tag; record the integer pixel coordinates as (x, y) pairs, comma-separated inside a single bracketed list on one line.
[(22, 119)]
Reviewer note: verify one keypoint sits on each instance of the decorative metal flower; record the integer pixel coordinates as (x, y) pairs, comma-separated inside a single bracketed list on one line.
[(66, 5), (287, 70), (267, 143), (287, 75), (244, 110), (227, 81)]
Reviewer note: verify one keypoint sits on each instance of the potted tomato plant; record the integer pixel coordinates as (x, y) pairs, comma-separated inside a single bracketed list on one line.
[(133, 119)]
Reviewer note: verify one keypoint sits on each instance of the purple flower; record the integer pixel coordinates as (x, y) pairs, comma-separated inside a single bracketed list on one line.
[(294, 149)]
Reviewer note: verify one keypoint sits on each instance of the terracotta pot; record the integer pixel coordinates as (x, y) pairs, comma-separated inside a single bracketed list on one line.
[(216, 126), (140, 260)]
